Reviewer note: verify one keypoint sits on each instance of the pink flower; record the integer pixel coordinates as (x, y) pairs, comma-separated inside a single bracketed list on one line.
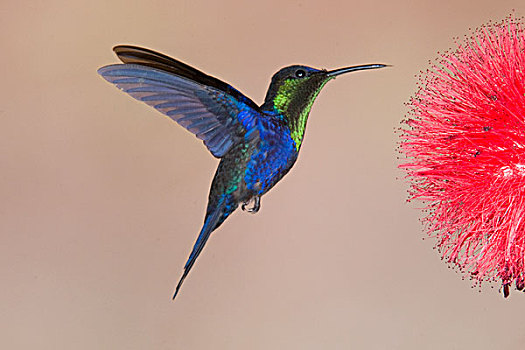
[(464, 141)]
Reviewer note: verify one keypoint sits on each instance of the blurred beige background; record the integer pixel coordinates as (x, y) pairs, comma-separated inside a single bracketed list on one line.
[(102, 197)]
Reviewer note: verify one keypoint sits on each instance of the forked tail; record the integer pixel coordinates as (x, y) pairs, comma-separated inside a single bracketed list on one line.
[(214, 218)]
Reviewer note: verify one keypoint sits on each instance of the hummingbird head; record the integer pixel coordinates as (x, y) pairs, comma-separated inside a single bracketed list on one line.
[(293, 90)]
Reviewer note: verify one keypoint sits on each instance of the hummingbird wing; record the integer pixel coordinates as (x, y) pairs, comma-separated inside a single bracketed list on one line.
[(219, 115), (150, 58)]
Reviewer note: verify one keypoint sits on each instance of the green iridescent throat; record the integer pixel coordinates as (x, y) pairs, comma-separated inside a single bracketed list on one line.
[(296, 114)]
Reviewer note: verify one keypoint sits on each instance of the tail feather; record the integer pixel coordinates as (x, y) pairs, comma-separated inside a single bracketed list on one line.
[(213, 219)]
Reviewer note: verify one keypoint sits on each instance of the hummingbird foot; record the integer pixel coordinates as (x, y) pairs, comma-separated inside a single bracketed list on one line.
[(255, 203)]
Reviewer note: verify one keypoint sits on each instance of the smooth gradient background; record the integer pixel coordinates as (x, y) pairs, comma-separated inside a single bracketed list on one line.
[(102, 197)]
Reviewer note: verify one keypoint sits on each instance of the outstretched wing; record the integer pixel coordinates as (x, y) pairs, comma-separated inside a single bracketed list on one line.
[(214, 111), (150, 58)]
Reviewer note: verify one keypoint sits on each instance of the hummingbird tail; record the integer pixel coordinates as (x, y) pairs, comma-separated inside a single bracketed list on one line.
[(214, 218)]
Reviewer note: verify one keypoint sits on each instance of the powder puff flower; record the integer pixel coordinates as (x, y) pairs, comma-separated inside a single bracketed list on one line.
[(464, 142)]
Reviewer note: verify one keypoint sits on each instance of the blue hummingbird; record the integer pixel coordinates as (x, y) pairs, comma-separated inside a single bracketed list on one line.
[(256, 145)]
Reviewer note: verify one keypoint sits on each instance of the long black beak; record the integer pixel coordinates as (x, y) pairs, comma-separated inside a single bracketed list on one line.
[(335, 72)]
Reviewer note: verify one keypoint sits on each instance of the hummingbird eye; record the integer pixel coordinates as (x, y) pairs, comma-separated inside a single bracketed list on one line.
[(300, 73)]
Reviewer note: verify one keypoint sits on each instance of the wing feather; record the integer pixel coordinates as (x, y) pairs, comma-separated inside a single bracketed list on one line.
[(212, 114)]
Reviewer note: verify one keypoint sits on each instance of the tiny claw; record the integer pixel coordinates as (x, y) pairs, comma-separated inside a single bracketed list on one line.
[(256, 205)]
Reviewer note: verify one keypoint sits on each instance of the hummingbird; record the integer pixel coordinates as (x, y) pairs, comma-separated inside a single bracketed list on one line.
[(256, 145)]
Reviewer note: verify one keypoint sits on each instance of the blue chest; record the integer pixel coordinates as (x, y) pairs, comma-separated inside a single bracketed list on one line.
[(273, 156)]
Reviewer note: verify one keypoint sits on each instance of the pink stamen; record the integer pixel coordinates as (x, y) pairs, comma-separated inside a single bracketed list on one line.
[(464, 142)]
